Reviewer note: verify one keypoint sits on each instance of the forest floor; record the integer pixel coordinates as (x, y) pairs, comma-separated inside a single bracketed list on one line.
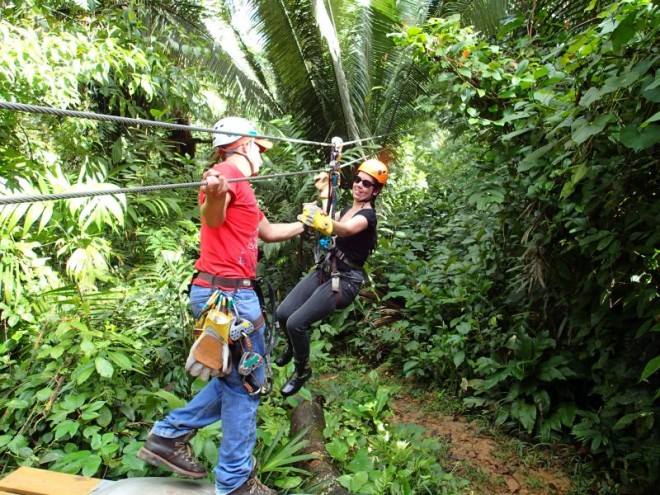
[(490, 462)]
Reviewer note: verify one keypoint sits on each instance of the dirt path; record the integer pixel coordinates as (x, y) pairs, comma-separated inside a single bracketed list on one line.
[(478, 457)]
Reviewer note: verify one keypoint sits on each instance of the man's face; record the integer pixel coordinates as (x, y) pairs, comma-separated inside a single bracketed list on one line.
[(254, 155)]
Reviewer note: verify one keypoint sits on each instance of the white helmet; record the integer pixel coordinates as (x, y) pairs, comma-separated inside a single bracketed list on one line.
[(240, 125)]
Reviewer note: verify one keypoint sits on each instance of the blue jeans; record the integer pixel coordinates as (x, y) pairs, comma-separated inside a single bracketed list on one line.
[(224, 399)]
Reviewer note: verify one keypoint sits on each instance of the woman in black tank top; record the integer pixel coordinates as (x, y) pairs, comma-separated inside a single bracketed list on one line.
[(336, 281)]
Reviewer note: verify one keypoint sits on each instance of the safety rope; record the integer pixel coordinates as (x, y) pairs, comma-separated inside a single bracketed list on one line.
[(21, 107)]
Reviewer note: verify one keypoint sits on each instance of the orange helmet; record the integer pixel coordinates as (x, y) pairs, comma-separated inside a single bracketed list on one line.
[(377, 169)]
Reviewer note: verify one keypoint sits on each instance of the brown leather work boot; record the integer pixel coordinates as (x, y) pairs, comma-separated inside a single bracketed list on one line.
[(253, 487), (173, 453)]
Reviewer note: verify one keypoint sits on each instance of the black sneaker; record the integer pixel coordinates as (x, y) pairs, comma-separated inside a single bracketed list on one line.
[(302, 373), (173, 453), (285, 357)]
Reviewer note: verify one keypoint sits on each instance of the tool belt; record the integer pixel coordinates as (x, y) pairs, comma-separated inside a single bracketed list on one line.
[(225, 282)]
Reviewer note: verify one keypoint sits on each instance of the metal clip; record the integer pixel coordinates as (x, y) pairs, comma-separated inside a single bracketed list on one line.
[(335, 281)]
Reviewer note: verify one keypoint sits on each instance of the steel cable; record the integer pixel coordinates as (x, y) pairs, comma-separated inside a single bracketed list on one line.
[(12, 200), (21, 107)]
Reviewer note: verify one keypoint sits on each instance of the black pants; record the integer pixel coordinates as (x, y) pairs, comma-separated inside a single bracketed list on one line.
[(311, 300)]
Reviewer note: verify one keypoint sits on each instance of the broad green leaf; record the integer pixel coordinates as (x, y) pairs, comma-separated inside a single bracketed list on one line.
[(44, 394), (120, 359), (67, 427), (288, 483), (527, 415), (626, 420), (105, 416), (361, 462), (515, 133), (459, 358), (104, 367), (566, 412), (464, 71), (582, 130), (91, 465), (173, 401), (358, 481), (640, 139), (84, 372), (654, 118), (624, 31), (652, 91), (32, 215), (651, 367), (337, 448), (590, 96), (532, 159)]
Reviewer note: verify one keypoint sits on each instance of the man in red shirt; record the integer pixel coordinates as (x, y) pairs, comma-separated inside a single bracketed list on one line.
[(232, 223)]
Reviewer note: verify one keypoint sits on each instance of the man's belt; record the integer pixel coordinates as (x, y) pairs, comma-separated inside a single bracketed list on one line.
[(225, 282)]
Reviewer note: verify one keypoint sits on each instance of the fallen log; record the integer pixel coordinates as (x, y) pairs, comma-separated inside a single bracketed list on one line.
[(309, 415)]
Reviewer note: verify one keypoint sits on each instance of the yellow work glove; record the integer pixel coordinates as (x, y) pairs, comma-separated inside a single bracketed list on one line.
[(313, 217), (209, 356)]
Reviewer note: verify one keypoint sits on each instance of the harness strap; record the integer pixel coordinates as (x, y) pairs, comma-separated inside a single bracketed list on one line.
[(334, 279), (340, 255)]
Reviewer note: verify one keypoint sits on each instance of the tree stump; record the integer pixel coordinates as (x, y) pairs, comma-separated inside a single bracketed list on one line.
[(324, 474)]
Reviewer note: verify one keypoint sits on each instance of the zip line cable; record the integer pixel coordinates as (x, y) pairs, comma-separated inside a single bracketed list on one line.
[(21, 107), (12, 200), (373, 138)]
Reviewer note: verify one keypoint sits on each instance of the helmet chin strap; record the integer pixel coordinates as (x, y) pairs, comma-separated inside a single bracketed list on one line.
[(232, 152)]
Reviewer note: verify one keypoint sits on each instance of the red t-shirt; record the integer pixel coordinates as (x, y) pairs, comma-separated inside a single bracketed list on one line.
[(230, 250)]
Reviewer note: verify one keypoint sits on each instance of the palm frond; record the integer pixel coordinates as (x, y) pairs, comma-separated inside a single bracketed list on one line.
[(541, 15), (301, 65)]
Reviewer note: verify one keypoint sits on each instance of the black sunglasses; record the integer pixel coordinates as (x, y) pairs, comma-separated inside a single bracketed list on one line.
[(365, 183)]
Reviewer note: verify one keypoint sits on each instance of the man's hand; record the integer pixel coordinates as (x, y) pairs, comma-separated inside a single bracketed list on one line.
[(216, 183), (313, 217)]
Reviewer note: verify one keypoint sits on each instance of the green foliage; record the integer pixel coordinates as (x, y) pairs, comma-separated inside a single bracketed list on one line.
[(530, 279), (517, 264), (376, 457)]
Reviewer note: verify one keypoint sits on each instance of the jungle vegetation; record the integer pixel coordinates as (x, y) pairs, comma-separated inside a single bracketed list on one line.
[(518, 259)]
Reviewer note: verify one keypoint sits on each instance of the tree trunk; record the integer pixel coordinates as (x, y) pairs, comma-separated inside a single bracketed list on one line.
[(324, 474)]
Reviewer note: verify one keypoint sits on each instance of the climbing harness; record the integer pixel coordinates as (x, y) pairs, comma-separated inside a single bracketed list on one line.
[(234, 346)]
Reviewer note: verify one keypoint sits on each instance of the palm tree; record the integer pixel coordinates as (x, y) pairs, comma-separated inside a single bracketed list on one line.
[(332, 64)]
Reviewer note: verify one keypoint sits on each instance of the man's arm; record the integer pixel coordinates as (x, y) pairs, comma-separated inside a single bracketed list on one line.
[(276, 232), (214, 208)]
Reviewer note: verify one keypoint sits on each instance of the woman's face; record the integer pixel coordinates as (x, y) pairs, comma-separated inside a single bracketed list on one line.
[(363, 186)]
